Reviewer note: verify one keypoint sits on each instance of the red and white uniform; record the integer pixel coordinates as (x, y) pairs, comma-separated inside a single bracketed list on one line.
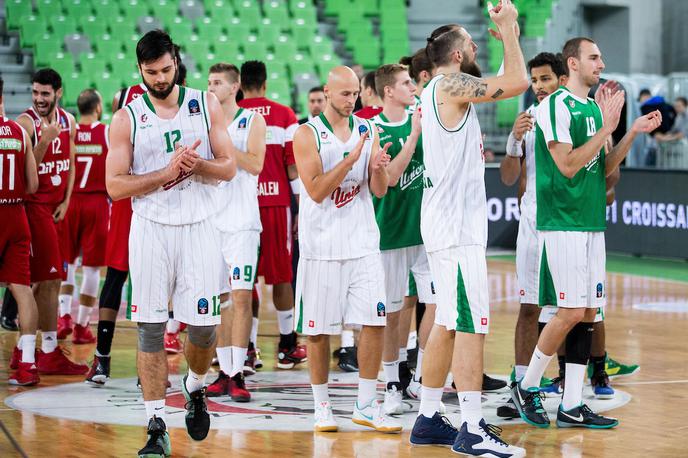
[(53, 174), (85, 227), (117, 248), (15, 236), (273, 189), (368, 112)]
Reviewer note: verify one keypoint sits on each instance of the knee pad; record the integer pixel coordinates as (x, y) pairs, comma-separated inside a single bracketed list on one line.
[(111, 296), (201, 336), (578, 344), (91, 281), (71, 275), (151, 337)]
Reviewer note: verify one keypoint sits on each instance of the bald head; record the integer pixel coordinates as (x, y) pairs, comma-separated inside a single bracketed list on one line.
[(342, 90)]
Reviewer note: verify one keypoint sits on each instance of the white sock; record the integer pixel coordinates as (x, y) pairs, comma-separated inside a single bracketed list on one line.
[(391, 370), (430, 399), (520, 372), (48, 341), (412, 340), (65, 304), (254, 332), (573, 391), (403, 354), (320, 394), (285, 320), (471, 409), (537, 366), (156, 408), (84, 315), (238, 359), (348, 338), (224, 357), (27, 344), (172, 326), (419, 366), (367, 391), (195, 382)]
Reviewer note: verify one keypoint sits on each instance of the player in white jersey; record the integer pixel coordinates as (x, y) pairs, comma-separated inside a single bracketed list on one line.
[(169, 150), (239, 224), (454, 228), (340, 276)]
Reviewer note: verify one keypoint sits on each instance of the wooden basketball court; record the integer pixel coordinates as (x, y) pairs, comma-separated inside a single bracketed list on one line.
[(647, 323)]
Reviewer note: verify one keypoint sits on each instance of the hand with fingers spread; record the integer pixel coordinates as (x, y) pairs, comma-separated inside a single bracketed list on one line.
[(355, 153), (381, 160), (648, 123), (611, 110), (605, 91), (524, 122), (50, 131)]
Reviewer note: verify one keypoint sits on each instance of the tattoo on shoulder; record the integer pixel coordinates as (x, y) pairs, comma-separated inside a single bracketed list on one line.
[(497, 93), (463, 85)]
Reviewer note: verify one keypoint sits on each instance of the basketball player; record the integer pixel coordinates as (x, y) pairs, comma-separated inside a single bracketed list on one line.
[(398, 215), (18, 177), (572, 163), (340, 276), (370, 100), (316, 103), (52, 131), (455, 192), (239, 224), (169, 148), (84, 229), (274, 263)]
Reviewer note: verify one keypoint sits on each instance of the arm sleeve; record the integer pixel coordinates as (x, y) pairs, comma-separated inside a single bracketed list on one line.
[(555, 120)]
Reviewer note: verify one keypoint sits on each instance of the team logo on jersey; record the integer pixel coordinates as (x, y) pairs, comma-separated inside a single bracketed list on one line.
[(311, 323), (380, 130), (203, 306), (242, 123), (362, 129), (194, 108), (236, 274), (562, 296), (323, 135), (380, 309), (483, 321), (572, 103), (144, 118), (342, 198), (600, 290)]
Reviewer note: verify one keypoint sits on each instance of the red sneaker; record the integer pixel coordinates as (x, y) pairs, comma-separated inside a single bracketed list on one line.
[(172, 343), (237, 388), (219, 387), (25, 375), (182, 326), (250, 363), (83, 335), (15, 359), (287, 358), (64, 326), (56, 363)]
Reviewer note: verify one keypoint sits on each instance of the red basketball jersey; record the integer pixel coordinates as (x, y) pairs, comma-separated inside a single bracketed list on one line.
[(91, 150), (53, 171), (131, 93), (12, 190)]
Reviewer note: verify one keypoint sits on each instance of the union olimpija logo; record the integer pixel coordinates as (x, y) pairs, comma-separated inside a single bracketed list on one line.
[(281, 401)]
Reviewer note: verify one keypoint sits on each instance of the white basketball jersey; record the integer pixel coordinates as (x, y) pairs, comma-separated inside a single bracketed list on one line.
[(342, 226), (188, 198), (454, 208), (528, 200), (239, 197)]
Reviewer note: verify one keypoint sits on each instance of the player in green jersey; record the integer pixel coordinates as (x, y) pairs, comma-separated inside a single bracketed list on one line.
[(573, 161)]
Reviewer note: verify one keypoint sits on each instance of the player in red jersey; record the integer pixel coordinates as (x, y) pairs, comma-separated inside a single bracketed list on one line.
[(52, 131), (84, 229), (274, 263), (18, 177), (372, 104)]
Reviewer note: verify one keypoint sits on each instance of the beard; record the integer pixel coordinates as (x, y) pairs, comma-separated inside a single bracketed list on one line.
[(344, 113), (472, 68), (49, 110), (161, 94)]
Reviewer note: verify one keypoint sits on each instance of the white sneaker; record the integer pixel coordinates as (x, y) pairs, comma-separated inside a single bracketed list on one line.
[(393, 400), (374, 416), (324, 419), (413, 390), (484, 440), (442, 409)]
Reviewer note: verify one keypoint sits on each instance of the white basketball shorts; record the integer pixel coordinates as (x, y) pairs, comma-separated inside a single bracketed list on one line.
[(398, 264), (240, 253)]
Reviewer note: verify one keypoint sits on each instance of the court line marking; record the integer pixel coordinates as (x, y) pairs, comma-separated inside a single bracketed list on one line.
[(655, 382)]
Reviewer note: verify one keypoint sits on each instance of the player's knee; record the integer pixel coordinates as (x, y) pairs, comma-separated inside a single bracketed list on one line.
[(571, 316), (578, 343), (201, 336), (91, 281), (529, 312), (151, 337)]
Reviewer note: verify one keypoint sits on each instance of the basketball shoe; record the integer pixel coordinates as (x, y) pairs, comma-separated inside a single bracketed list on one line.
[(259, 361), (393, 404), (583, 417), (57, 363), (601, 387), (545, 382), (220, 387), (250, 363), (26, 374), (348, 359), (197, 418), (64, 326), (433, 431), (288, 357), (158, 444), (83, 335), (100, 371), (237, 388), (529, 405), (615, 368), (324, 418), (484, 440), (374, 416), (172, 343)]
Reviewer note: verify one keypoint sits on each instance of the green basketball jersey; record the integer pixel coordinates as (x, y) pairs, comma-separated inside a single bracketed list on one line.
[(578, 203), (398, 212)]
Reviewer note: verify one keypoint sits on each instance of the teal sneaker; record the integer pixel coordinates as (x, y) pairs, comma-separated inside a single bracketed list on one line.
[(158, 445)]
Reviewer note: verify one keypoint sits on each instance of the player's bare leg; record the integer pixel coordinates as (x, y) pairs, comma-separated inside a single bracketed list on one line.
[(318, 368), (390, 364), (65, 323), (435, 370), (426, 324), (525, 337), (290, 353), (199, 349), (26, 372), (87, 300), (46, 293)]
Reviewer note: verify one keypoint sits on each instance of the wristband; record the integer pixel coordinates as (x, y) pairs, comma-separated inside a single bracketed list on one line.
[(295, 185), (513, 146)]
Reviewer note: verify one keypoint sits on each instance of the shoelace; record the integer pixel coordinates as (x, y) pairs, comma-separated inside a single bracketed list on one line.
[(602, 379), (197, 403), (493, 432), (446, 425), (536, 399), (587, 412), (240, 382)]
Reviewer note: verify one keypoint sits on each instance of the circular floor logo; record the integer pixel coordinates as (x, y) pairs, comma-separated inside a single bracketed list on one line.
[(281, 401)]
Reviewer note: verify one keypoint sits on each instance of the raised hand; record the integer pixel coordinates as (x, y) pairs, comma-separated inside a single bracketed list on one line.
[(415, 121), (355, 153), (524, 123), (504, 14), (605, 91), (648, 123), (50, 131), (611, 110), (381, 159), (190, 159)]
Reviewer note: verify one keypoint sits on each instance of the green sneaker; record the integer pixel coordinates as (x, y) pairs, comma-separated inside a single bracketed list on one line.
[(545, 382), (615, 369), (158, 445)]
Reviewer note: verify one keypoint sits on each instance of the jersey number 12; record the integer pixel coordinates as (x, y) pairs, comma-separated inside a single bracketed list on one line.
[(171, 138)]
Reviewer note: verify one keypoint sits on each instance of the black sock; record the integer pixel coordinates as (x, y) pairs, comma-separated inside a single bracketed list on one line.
[(597, 364), (9, 305), (562, 366), (286, 340), (541, 326), (106, 331)]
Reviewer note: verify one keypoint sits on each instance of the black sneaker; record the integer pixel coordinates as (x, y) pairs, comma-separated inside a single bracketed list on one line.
[(9, 324), (348, 359), (197, 418), (158, 444), (492, 384), (412, 358), (508, 410), (405, 375), (601, 387), (583, 417), (100, 371), (529, 405)]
